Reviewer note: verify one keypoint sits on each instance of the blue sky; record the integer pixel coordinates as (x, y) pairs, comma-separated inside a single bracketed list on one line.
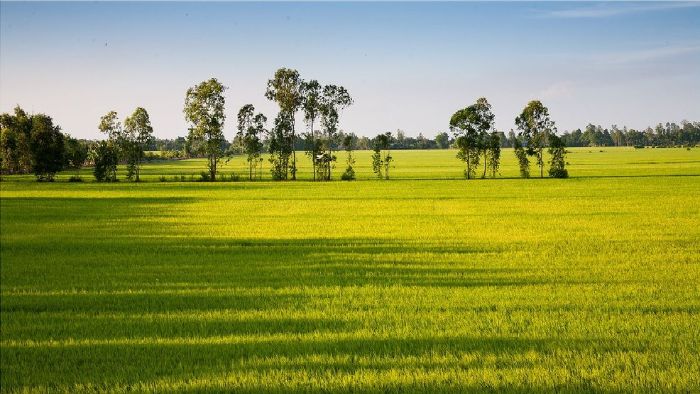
[(408, 66)]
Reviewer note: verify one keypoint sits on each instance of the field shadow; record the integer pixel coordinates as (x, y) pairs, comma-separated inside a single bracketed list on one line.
[(60, 366)]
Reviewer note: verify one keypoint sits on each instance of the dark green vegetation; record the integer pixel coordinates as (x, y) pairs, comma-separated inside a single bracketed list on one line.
[(589, 283)]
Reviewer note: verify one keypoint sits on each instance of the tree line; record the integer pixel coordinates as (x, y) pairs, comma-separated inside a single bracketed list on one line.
[(32, 143)]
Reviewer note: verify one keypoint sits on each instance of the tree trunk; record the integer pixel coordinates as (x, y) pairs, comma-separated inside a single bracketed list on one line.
[(541, 165), (469, 166), (484, 176), (294, 152), (212, 168)]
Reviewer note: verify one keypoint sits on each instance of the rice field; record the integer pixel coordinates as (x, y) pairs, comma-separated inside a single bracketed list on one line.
[(423, 283)]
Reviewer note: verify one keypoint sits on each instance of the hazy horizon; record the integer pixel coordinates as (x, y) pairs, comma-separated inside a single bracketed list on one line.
[(408, 66)]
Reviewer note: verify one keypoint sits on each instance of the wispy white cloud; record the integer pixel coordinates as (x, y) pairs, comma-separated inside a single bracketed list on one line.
[(647, 55), (604, 10)]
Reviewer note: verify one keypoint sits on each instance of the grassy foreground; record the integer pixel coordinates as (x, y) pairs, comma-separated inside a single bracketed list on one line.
[(585, 284)]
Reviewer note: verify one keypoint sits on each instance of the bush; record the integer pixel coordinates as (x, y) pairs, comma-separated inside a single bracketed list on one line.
[(558, 173), (349, 174), (204, 176), (162, 178), (105, 158), (75, 178)]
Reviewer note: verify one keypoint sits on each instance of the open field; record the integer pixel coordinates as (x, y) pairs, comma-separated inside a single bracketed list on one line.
[(426, 282), (442, 164)]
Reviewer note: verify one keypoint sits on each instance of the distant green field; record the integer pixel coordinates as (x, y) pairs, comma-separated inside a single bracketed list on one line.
[(442, 164), (423, 283)]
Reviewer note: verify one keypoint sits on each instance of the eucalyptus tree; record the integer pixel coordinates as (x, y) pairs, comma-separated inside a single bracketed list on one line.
[(470, 126), (285, 89), (280, 147), (110, 125), (381, 163), (204, 110), (138, 133), (494, 153), (333, 100), (251, 127), (557, 163), (521, 155), (485, 125), (106, 153), (535, 128), (311, 92)]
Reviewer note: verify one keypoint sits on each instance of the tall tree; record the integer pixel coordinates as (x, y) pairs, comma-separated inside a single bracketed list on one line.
[(250, 128), (493, 148), (535, 128), (280, 147), (204, 109), (138, 133), (285, 89), (471, 126), (47, 147), (333, 100), (311, 92)]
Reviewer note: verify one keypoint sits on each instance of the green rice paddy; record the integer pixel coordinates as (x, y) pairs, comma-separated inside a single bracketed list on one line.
[(423, 283)]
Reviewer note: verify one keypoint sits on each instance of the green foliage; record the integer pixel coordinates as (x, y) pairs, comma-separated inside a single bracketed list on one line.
[(105, 158), (251, 128), (138, 133), (442, 140), (382, 162), (535, 128), (348, 144), (523, 160), (76, 153), (15, 137), (285, 89), (557, 163), (493, 152), (46, 147), (332, 101), (204, 110), (471, 126), (280, 146)]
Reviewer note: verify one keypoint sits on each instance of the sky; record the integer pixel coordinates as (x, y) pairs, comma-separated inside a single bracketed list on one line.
[(408, 66)]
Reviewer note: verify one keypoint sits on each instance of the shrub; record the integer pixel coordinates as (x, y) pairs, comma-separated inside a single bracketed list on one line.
[(162, 178), (349, 174), (558, 173), (75, 178), (104, 155), (204, 176)]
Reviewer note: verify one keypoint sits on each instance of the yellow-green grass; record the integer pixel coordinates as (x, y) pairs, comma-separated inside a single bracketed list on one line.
[(583, 284), (439, 164)]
